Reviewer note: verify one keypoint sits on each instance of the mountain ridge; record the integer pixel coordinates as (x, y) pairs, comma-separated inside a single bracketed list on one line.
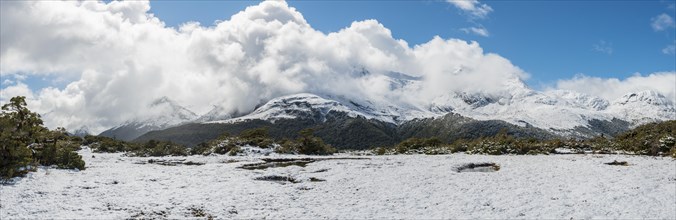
[(557, 112)]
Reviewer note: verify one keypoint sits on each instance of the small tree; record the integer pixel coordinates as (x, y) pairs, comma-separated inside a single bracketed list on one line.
[(24, 142), (309, 144), (19, 127)]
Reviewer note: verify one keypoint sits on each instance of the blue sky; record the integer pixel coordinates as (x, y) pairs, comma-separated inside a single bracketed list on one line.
[(551, 40), (100, 63)]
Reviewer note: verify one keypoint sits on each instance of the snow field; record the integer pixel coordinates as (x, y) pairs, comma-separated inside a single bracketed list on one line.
[(400, 186)]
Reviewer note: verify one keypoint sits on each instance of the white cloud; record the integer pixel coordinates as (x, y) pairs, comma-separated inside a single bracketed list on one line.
[(473, 7), (613, 88), (481, 31), (662, 22), (603, 47), (670, 49), (123, 58)]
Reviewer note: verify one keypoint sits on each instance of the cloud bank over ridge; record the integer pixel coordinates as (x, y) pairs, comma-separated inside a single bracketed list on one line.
[(124, 58)]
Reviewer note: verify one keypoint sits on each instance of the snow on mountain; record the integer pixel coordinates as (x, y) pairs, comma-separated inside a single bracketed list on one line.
[(81, 132), (306, 105), (643, 107), (579, 100), (560, 111), (215, 114), (298, 105), (164, 112), (160, 114), (318, 105)]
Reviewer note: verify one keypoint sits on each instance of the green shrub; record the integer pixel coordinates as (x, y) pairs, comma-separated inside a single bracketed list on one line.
[(307, 143), (417, 144), (100, 144), (25, 143), (256, 137), (224, 147), (286, 146), (67, 159), (201, 149), (380, 151), (234, 151)]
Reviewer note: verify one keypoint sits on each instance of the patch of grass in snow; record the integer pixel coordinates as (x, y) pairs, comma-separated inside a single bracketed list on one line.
[(618, 163), (262, 166), (174, 162), (315, 179), (279, 179), (198, 212), (478, 167), (285, 162), (150, 215)]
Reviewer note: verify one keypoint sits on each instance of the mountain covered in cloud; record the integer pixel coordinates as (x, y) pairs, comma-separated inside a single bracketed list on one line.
[(160, 114), (523, 112), (558, 111), (268, 64)]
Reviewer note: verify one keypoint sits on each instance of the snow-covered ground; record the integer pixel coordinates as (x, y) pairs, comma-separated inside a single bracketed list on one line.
[(414, 186)]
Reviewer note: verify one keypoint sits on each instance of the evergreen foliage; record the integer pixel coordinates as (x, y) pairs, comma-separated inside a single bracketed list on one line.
[(25, 143), (655, 139), (308, 144)]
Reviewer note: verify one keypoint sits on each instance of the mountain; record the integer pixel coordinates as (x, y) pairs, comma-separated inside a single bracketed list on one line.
[(215, 114), (161, 114), (360, 122), (81, 132), (643, 107), (345, 132), (346, 125)]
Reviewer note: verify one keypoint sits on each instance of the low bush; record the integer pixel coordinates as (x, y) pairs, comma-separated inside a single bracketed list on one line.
[(68, 159), (153, 148), (255, 137), (307, 143), (100, 144)]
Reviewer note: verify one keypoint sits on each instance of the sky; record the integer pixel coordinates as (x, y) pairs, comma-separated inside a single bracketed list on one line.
[(550, 40), (98, 64)]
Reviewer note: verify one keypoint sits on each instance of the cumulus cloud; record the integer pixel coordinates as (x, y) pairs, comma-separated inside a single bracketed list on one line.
[(670, 49), (473, 7), (662, 22), (613, 88), (603, 47), (124, 58), (481, 31)]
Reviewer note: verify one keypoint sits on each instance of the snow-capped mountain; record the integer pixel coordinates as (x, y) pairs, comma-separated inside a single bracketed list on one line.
[(642, 107), (160, 114), (217, 113), (306, 105), (81, 132), (559, 111)]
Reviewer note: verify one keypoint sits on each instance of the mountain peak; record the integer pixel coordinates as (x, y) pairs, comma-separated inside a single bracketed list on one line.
[(161, 100), (161, 113), (646, 96)]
